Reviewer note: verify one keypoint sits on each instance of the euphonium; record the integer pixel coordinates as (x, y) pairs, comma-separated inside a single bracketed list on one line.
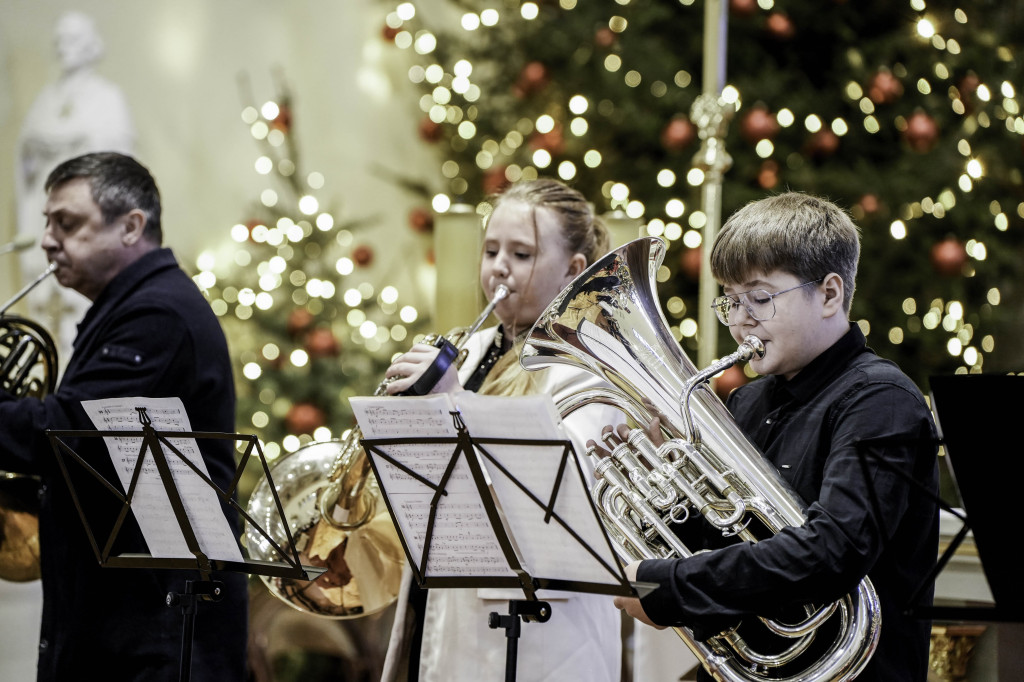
[(335, 513), (608, 322), (28, 367)]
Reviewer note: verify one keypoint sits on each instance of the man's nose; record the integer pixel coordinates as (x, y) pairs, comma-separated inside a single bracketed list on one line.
[(48, 243)]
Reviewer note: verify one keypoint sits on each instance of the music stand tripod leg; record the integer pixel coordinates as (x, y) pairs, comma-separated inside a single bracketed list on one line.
[(209, 590), (528, 611)]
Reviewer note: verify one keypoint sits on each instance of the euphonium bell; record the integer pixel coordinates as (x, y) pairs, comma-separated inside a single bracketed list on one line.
[(337, 516), (608, 322)]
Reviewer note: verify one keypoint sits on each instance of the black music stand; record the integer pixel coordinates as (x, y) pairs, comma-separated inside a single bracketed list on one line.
[(154, 444), (977, 419), (972, 411), (387, 459)]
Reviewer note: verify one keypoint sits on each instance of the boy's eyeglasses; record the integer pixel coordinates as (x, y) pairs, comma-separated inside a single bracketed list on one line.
[(759, 304)]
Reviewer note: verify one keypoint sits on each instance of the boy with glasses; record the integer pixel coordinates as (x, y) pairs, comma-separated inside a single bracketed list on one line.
[(788, 264)]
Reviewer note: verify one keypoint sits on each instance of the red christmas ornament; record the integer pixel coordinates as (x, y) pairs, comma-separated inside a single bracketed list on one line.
[(551, 141), (251, 225), (299, 321), (949, 257), (729, 380), (532, 78), (768, 176), (362, 255), (421, 220), (304, 418), (742, 8), (494, 180), (969, 84), (822, 144), (868, 203), (922, 132), (884, 87), (321, 343), (780, 26), (605, 38), (678, 134), (388, 33), (689, 263), (283, 120), (430, 131), (759, 124)]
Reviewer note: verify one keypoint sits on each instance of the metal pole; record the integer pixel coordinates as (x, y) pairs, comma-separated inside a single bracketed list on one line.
[(711, 115)]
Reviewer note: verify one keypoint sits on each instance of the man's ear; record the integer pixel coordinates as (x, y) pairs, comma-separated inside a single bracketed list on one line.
[(133, 227), (577, 264), (833, 287)]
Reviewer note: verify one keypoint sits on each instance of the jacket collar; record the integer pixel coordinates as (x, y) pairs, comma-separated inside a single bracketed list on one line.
[(124, 283)]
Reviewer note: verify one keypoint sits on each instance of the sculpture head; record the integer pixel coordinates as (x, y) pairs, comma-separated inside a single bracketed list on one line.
[(77, 41)]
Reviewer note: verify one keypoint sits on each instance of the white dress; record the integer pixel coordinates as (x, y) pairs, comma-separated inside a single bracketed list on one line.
[(581, 641)]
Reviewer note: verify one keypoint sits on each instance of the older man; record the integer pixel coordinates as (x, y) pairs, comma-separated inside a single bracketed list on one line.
[(149, 332)]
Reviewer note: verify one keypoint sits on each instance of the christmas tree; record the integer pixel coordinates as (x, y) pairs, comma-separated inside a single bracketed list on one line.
[(904, 113), (309, 323)]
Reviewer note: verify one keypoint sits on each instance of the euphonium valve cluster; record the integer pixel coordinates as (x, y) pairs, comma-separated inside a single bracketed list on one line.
[(608, 322), (336, 514)]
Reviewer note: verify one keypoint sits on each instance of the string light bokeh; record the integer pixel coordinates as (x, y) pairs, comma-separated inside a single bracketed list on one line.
[(599, 94), (310, 322)]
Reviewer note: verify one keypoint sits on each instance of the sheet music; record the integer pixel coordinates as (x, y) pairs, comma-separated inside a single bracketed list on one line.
[(463, 542), (150, 504), (551, 550)]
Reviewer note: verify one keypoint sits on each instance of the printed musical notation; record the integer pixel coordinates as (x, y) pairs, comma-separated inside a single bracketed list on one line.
[(462, 540), (151, 505)]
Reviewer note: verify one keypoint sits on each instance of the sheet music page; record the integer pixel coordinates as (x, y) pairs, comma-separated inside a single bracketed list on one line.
[(463, 542), (150, 504), (547, 547)]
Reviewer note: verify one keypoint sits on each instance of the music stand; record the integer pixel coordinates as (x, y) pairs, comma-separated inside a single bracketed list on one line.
[(396, 464), (977, 417), (154, 443), (971, 411)]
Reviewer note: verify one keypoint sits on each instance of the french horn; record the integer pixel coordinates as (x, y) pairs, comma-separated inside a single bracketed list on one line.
[(28, 368), (337, 516), (607, 321)]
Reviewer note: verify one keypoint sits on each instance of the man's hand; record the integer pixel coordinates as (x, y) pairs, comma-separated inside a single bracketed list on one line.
[(631, 605)]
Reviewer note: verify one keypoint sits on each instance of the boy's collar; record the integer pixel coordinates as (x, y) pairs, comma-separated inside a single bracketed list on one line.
[(824, 368)]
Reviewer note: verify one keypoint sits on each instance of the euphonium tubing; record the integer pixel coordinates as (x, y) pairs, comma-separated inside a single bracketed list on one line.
[(28, 368), (607, 321), (335, 513)]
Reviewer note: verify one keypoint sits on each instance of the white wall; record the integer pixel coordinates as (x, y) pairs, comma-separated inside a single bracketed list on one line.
[(178, 63)]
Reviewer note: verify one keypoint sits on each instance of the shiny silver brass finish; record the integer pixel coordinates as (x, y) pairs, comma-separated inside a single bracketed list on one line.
[(608, 322)]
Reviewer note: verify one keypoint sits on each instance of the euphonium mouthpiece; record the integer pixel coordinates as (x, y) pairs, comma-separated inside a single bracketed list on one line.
[(750, 347)]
